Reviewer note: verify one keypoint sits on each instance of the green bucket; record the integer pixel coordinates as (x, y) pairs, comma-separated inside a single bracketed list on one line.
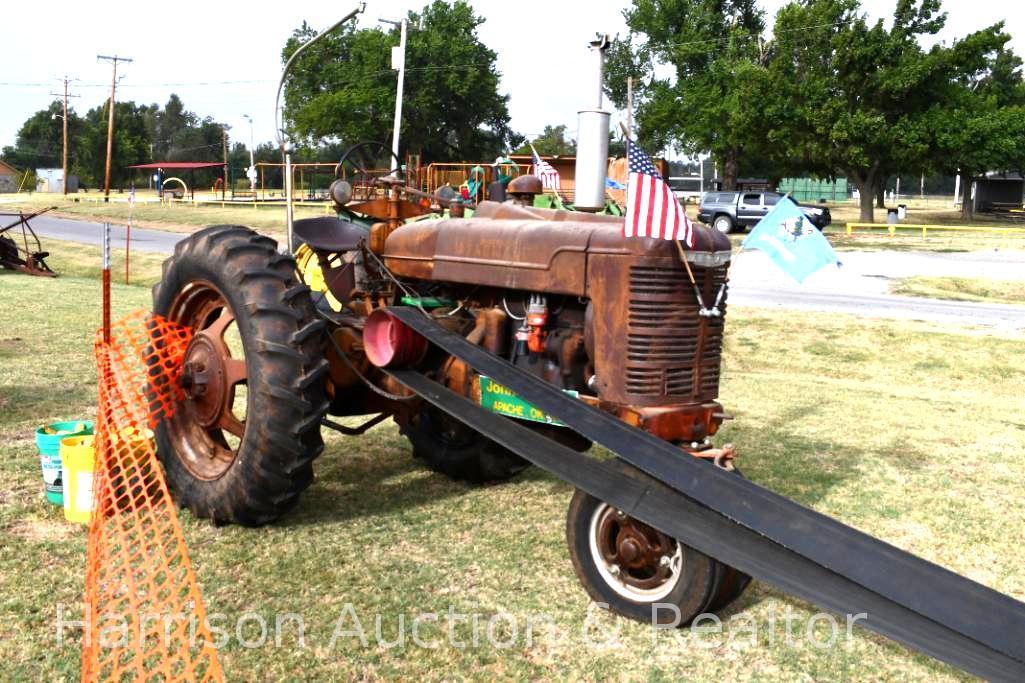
[(48, 443)]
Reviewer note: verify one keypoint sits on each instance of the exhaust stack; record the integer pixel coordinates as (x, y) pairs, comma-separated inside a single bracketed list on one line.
[(593, 141)]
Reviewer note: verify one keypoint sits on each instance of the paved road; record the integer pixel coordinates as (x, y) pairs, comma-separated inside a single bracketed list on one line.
[(999, 316), (860, 287), (84, 232)]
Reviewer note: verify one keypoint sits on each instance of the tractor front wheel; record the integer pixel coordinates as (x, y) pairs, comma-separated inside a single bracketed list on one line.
[(239, 447), (636, 570)]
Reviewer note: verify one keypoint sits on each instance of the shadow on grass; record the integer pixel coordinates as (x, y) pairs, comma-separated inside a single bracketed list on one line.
[(803, 469), (368, 476), (376, 475)]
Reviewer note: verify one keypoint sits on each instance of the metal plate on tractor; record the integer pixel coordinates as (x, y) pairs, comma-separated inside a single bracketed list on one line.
[(498, 399)]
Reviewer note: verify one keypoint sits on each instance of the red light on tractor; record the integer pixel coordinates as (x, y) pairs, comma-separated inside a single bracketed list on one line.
[(388, 342)]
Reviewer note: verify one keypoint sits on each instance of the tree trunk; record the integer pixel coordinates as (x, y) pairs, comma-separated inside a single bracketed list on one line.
[(867, 202), (865, 182), (729, 170), (967, 210), (880, 192)]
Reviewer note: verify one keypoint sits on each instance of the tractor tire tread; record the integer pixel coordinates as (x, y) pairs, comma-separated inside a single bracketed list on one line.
[(284, 355)]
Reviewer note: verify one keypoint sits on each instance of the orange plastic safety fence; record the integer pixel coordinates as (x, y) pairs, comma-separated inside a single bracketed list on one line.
[(145, 618)]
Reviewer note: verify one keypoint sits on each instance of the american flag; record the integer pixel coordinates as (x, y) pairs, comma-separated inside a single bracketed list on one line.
[(546, 172), (651, 208)]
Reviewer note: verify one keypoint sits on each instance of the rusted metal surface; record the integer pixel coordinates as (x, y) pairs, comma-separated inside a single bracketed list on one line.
[(639, 555), (654, 360), (626, 327), (524, 188), (495, 336), (671, 355), (384, 208), (21, 257), (677, 423), (531, 255), (350, 340), (210, 379), (720, 457)]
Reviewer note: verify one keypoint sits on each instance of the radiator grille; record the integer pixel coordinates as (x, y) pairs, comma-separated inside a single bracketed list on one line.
[(672, 353)]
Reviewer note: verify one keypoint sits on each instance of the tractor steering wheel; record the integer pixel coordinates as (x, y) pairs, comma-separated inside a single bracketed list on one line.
[(366, 162)]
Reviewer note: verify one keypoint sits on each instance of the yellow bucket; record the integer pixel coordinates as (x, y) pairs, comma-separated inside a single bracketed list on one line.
[(79, 461), (133, 479)]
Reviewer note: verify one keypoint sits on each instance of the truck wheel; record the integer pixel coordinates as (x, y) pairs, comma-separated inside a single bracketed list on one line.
[(631, 567), (451, 448), (723, 224), (239, 447)]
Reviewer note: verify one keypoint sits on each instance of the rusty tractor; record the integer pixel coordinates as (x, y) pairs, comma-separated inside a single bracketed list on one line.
[(557, 294)]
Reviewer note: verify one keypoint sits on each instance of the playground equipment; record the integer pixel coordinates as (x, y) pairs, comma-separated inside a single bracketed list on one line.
[(175, 195)]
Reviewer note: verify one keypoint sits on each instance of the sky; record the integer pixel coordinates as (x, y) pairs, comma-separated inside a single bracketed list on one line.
[(223, 59)]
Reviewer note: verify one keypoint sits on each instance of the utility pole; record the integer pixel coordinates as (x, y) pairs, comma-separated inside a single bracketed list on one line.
[(110, 121), (398, 61), (65, 118), (224, 182)]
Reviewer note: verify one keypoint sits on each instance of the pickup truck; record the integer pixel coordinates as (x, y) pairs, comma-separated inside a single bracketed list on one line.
[(729, 211)]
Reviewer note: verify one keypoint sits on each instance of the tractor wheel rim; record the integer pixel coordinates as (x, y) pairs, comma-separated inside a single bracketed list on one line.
[(205, 432), (636, 561)]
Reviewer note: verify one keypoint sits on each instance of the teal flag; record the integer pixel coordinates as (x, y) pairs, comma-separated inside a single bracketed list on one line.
[(791, 241)]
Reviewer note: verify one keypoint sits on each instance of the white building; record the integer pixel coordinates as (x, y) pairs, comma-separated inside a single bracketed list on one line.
[(52, 180)]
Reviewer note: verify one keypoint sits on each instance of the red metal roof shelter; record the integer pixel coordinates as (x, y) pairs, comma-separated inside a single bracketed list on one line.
[(189, 165), (185, 166)]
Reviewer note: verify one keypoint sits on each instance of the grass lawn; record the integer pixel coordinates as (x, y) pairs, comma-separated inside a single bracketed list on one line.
[(962, 289), (909, 431)]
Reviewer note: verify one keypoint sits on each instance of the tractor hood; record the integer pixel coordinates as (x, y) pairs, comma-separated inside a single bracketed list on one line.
[(530, 249)]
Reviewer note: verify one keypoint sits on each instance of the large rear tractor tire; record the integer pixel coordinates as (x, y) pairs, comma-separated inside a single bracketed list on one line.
[(240, 446), (451, 448)]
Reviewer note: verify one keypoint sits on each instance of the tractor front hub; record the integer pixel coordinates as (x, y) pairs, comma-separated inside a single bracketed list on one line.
[(641, 559), (203, 378)]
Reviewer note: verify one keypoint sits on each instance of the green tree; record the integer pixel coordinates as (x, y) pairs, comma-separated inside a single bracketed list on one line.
[(870, 102), (40, 140), (981, 126), (343, 88), (715, 98), (552, 141), (858, 92), (142, 133), (130, 144), (170, 124)]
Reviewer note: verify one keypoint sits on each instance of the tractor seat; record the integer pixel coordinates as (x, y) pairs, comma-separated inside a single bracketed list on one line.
[(327, 233)]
